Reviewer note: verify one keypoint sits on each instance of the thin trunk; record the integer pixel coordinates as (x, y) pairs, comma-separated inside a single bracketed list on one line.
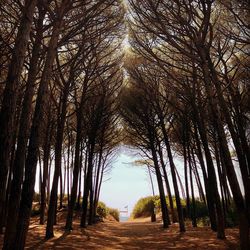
[(194, 222), (209, 196), (217, 158), (172, 168), (91, 203), (186, 180), (68, 167), (224, 181), (40, 176), (73, 196), (46, 156), (87, 185), (58, 162), (97, 179), (174, 219), (198, 180), (48, 181), (61, 188), (78, 204), (65, 173), (164, 208)]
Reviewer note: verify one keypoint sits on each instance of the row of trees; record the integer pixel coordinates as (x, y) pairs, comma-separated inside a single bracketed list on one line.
[(188, 93), (60, 80)]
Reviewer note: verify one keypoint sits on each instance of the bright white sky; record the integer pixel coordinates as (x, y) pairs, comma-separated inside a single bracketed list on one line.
[(127, 184)]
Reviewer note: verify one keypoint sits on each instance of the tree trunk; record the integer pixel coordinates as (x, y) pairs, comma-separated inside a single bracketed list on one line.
[(208, 65), (193, 217), (186, 181), (172, 168), (34, 141), (73, 196), (198, 180), (87, 184), (174, 219), (8, 108), (22, 140), (209, 196), (97, 179), (58, 161), (164, 208), (46, 156)]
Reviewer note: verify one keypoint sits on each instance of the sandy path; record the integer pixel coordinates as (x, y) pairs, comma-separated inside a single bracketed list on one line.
[(130, 235)]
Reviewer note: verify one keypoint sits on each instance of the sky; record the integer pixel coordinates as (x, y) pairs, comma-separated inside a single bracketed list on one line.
[(126, 183)]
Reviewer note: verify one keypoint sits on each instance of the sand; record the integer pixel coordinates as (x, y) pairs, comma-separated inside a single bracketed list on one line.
[(135, 234)]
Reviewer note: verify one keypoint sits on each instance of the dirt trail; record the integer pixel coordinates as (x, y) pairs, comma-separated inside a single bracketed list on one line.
[(130, 235)]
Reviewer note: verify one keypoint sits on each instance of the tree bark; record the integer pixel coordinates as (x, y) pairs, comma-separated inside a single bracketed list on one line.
[(46, 156), (87, 184), (73, 196), (34, 141), (164, 208), (22, 140), (8, 108), (174, 219), (58, 161), (172, 168), (193, 217)]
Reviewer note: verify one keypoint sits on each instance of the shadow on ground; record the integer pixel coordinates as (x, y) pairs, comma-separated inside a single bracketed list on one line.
[(129, 235)]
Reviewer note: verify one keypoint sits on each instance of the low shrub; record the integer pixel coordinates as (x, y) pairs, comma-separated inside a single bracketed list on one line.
[(203, 221), (200, 209), (102, 209), (145, 206), (232, 219), (114, 213)]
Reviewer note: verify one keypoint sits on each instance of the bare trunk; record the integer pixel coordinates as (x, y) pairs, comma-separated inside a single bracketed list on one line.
[(46, 156), (174, 219), (34, 142), (73, 196), (58, 162), (19, 161), (87, 185), (8, 108), (164, 208), (176, 189), (193, 217)]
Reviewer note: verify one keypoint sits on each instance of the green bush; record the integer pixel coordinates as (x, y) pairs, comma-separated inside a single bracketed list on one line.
[(144, 206), (203, 221), (200, 209), (102, 209), (232, 217), (114, 213)]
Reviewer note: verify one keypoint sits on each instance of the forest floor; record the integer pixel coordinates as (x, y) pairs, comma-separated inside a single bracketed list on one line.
[(136, 234)]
